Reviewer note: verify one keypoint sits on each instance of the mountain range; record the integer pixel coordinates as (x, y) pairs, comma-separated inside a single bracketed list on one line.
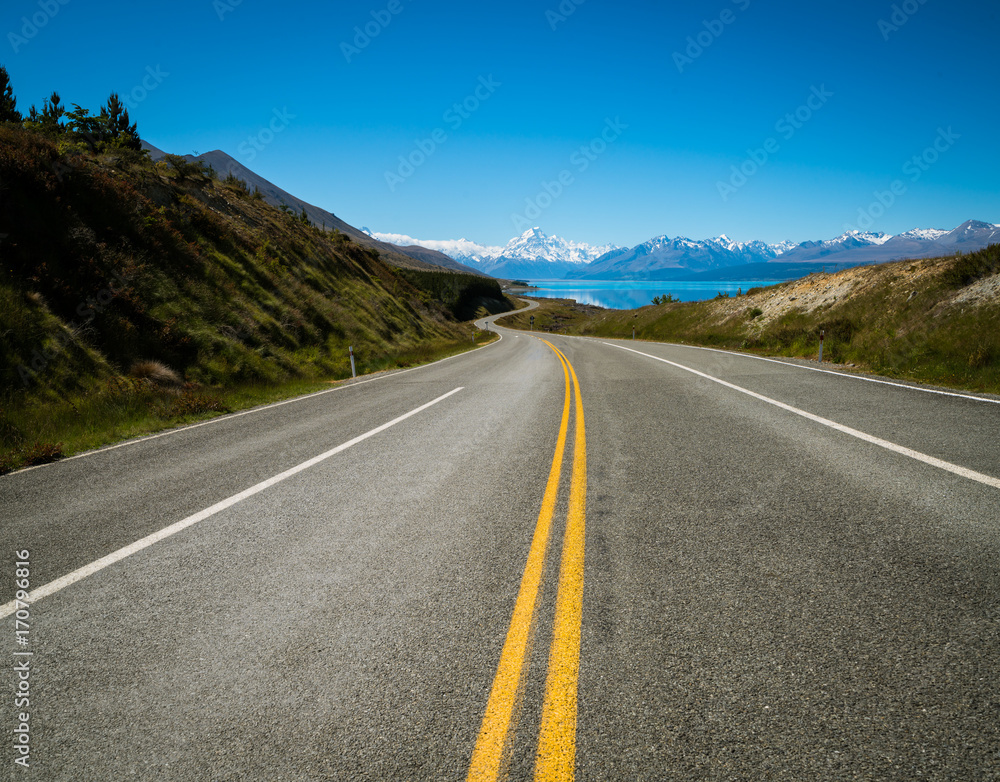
[(854, 248), (535, 255)]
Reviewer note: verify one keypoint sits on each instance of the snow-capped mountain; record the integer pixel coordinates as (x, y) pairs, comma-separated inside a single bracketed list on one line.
[(970, 235), (861, 238), (662, 255), (461, 250), (917, 243), (921, 234), (782, 247), (532, 255), (536, 245), (751, 252), (817, 251), (535, 256), (853, 247)]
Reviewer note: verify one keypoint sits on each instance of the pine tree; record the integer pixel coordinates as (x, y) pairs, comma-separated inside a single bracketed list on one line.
[(53, 111), (8, 103), (119, 131)]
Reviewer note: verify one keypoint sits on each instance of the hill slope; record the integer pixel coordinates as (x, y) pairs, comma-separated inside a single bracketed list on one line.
[(225, 165), (126, 284)]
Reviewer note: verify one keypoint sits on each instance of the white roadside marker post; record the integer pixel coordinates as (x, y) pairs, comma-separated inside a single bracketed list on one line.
[(822, 332), (351, 349)]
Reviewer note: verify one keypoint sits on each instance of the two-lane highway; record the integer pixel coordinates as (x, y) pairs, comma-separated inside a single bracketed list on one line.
[(764, 595)]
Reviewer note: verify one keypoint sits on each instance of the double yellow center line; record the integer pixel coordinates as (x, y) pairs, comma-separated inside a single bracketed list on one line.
[(556, 755)]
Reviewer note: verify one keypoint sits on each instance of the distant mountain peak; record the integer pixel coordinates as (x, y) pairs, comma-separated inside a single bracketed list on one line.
[(922, 233), (535, 246), (864, 237), (534, 254), (782, 247), (976, 225)]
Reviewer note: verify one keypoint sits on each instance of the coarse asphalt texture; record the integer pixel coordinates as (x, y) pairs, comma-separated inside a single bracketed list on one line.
[(765, 597)]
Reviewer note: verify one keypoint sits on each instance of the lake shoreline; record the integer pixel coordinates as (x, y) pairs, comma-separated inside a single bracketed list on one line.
[(632, 294)]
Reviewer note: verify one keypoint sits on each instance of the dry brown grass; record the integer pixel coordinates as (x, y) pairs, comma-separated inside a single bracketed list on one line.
[(157, 373)]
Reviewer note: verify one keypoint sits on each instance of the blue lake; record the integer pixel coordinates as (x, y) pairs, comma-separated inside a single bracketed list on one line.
[(631, 294)]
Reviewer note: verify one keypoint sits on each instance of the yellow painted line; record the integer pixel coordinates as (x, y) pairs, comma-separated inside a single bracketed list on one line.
[(556, 758), (495, 735)]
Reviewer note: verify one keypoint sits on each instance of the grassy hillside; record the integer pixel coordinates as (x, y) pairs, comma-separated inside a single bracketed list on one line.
[(134, 295), (413, 257), (934, 320)]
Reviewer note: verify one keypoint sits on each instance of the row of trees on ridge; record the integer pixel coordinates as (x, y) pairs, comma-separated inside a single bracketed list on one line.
[(111, 128)]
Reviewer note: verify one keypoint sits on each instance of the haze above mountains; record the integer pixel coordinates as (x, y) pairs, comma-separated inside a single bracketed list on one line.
[(534, 255)]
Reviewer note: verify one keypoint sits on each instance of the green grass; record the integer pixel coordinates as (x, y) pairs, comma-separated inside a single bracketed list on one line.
[(125, 408)]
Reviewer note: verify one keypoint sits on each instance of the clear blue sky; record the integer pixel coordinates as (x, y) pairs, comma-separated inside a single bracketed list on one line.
[(344, 116)]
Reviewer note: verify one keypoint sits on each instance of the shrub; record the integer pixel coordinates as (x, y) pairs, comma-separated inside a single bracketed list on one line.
[(235, 183), (156, 372), (183, 169), (786, 334), (974, 266), (979, 357), (840, 329)]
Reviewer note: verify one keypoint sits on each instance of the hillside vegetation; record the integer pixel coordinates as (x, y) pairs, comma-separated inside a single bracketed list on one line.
[(935, 320), (134, 295)]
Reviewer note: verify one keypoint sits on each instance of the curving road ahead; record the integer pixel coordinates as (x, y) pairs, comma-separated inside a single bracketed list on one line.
[(770, 572)]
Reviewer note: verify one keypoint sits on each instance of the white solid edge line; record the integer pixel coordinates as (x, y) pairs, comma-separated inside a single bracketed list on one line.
[(839, 374), (242, 413), (845, 375), (116, 556), (964, 472)]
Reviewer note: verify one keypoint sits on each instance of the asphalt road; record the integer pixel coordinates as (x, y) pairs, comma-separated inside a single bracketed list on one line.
[(764, 596)]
